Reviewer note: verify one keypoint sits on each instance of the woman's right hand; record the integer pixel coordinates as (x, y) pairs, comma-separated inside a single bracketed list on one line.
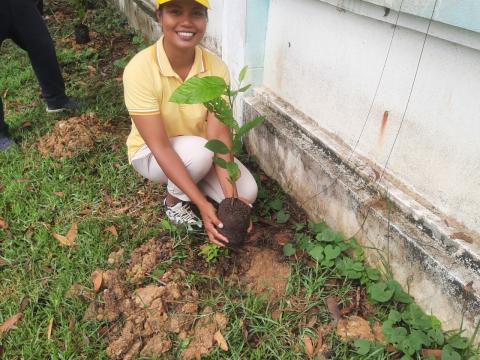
[(211, 222)]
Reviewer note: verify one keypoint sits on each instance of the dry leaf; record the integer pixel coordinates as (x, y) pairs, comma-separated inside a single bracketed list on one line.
[(221, 341), (23, 304), (58, 193), (319, 345), (71, 324), (312, 321), (50, 328), (122, 210), (112, 230), (91, 69), (69, 239), (255, 235), (308, 345), (436, 353), (282, 238), (3, 224), (332, 306), (26, 124), (10, 323), (3, 263), (97, 280)]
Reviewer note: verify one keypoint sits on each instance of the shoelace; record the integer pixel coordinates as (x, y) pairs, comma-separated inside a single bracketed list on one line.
[(186, 214)]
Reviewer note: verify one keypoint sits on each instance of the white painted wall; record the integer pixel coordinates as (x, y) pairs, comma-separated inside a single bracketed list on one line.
[(327, 62)]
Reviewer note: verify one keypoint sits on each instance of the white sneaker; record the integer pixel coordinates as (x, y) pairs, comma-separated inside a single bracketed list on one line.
[(181, 213)]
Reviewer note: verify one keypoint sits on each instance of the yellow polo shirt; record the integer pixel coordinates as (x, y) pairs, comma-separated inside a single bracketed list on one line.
[(149, 81)]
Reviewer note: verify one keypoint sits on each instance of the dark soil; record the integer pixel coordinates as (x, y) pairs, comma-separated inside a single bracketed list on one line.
[(82, 35), (235, 217)]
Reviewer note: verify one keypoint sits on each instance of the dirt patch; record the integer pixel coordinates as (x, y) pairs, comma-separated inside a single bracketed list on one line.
[(152, 314), (71, 136), (267, 275)]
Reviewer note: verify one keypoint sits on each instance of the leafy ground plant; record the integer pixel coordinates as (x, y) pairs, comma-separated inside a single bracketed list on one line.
[(213, 92)]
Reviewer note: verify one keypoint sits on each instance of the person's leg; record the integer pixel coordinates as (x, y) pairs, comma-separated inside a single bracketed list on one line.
[(246, 186), (191, 149), (30, 33), (4, 29)]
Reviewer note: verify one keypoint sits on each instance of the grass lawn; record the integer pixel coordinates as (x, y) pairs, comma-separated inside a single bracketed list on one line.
[(91, 200)]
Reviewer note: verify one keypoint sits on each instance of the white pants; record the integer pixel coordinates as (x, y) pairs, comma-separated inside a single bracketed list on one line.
[(198, 162)]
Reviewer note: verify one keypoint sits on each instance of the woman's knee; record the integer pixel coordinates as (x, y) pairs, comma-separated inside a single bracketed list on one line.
[(200, 154), (248, 188)]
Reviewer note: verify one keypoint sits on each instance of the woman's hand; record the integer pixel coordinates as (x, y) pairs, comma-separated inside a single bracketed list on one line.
[(211, 222)]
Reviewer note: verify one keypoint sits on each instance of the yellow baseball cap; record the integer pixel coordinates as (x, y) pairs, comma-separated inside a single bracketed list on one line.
[(202, 2)]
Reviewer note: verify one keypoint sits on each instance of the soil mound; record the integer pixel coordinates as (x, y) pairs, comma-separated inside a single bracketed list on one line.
[(153, 313), (266, 274), (71, 136)]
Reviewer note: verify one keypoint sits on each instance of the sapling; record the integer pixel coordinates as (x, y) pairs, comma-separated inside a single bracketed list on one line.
[(218, 97)]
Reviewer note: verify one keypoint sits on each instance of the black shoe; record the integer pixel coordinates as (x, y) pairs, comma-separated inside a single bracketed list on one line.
[(70, 105), (5, 142)]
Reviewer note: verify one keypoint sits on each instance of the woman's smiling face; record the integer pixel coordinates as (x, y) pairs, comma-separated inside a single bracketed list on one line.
[(184, 23)]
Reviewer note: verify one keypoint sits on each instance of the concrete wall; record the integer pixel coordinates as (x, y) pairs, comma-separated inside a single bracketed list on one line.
[(328, 66)]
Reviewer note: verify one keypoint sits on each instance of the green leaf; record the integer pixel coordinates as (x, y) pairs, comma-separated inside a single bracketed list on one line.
[(394, 316), (220, 162), (416, 318), (419, 335), (250, 125), (316, 252), (222, 110), (303, 242), (244, 88), (373, 274), (394, 335), (436, 335), (326, 235), (350, 269), (217, 147), (289, 250), (242, 74), (457, 342), (380, 292), (448, 353), (317, 228), (332, 252), (299, 226), (237, 144), (276, 204), (233, 171), (399, 295), (282, 217), (199, 90), (121, 63), (363, 346)]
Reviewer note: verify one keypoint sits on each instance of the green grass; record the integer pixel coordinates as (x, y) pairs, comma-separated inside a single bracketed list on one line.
[(38, 272), (37, 267)]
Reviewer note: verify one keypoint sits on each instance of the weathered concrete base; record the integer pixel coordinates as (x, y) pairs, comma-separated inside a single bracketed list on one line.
[(331, 184)]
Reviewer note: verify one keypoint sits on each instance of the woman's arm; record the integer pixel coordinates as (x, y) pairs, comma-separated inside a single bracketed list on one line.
[(152, 130), (217, 130)]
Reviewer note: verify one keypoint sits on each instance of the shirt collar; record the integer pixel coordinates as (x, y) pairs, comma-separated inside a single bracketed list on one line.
[(166, 68)]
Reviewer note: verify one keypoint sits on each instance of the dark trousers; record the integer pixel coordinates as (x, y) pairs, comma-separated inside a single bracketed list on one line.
[(21, 21)]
